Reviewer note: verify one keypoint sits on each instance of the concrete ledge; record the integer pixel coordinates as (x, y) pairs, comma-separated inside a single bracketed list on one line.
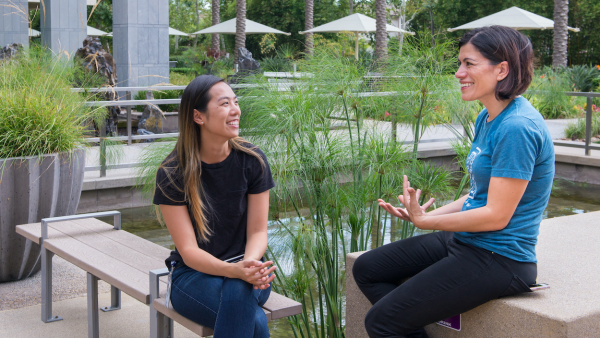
[(567, 254)]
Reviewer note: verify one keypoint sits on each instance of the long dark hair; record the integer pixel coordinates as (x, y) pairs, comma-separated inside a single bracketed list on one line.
[(498, 44), (196, 96)]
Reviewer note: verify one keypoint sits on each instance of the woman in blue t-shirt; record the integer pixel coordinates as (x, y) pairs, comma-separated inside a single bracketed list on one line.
[(484, 247)]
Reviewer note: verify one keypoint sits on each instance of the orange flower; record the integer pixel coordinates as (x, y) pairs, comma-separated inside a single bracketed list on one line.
[(598, 66), (543, 76)]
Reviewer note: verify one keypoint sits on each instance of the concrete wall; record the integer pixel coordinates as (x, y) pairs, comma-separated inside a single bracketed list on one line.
[(141, 41), (13, 25), (64, 25)]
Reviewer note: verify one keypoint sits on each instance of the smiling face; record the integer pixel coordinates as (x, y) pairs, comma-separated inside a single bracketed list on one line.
[(478, 77), (220, 121)]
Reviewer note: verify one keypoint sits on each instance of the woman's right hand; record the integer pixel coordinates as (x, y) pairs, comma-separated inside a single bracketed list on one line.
[(254, 272)]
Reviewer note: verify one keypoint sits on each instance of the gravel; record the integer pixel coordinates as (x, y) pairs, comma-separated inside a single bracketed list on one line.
[(68, 281)]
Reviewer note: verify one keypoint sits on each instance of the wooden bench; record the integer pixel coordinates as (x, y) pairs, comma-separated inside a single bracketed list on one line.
[(125, 261)]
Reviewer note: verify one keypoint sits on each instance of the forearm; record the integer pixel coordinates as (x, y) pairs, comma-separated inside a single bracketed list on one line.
[(475, 220), (449, 208), (256, 245), (202, 261)]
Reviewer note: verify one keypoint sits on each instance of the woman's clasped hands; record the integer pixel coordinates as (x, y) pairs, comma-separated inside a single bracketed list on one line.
[(255, 272), (413, 212)]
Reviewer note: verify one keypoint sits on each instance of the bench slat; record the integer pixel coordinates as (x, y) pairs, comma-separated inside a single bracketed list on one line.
[(281, 306), (32, 232), (131, 281), (112, 248), (144, 246), (202, 331)]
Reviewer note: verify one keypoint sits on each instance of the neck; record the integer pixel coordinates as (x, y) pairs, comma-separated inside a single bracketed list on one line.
[(494, 106), (213, 149)]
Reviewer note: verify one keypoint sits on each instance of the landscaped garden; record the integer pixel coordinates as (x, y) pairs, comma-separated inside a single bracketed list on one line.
[(340, 128)]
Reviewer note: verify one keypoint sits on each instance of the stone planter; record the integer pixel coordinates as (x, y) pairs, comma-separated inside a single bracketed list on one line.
[(31, 189)]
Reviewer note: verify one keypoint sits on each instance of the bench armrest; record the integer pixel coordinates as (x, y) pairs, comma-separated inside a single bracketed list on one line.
[(154, 282), (46, 221)]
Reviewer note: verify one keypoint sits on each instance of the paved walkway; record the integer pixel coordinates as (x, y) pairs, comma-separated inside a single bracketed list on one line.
[(436, 137)]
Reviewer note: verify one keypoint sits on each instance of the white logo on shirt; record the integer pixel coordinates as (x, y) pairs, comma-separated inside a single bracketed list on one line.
[(470, 161)]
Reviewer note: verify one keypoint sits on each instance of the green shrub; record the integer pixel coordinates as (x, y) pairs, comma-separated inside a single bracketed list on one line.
[(276, 64), (576, 130), (546, 94), (182, 70), (160, 95), (584, 78), (38, 112)]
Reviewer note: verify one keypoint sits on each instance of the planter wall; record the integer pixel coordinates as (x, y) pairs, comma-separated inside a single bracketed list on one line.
[(31, 189)]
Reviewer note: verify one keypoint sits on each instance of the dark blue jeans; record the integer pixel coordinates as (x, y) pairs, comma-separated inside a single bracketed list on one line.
[(231, 307)]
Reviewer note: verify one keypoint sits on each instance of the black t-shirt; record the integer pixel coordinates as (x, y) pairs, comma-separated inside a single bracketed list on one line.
[(226, 187)]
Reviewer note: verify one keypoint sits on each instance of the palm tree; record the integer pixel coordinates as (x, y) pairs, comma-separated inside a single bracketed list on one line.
[(177, 36), (215, 20), (240, 29), (308, 24), (197, 23), (561, 35), (381, 33)]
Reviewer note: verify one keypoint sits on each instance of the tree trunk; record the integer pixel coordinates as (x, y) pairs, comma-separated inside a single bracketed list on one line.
[(177, 15), (432, 28), (240, 29), (380, 33), (561, 34), (197, 23), (351, 6), (215, 20), (308, 24)]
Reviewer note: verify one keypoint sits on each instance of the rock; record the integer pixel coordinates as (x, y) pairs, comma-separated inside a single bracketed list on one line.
[(151, 119), (10, 51), (246, 62), (97, 60)]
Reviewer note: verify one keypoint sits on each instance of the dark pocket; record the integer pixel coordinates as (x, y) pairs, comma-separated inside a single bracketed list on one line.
[(517, 285)]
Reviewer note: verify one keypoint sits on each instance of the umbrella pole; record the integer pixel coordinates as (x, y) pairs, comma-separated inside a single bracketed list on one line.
[(356, 47)]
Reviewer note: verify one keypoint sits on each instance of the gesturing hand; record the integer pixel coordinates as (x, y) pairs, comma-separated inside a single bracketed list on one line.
[(255, 272), (410, 199)]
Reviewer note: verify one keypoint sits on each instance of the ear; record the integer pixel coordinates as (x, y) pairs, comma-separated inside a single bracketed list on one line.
[(502, 70), (198, 117)]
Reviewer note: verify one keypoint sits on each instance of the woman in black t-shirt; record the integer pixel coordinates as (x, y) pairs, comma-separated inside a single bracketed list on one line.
[(213, 193)]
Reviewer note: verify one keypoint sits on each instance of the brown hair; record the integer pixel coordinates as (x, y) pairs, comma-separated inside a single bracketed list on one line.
[(196, 96), (498, 44)]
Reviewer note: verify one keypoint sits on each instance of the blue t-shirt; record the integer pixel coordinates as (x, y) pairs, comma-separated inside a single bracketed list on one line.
[(516, 144)]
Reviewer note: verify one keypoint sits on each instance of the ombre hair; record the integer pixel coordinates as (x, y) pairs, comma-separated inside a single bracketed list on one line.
[(196, 96)]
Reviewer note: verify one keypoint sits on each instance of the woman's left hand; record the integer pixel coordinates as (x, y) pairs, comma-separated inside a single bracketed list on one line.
[(410, 198)]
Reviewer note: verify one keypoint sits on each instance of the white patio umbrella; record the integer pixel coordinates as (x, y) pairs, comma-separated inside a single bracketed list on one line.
[(513, 17), (356, 23), (33, 33), (228, 27), (91, 31), (173, 31)]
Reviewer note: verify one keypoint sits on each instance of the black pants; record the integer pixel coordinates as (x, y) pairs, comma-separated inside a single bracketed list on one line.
[(448, 277)]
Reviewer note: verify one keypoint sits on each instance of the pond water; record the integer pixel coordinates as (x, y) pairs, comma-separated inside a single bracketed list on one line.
[(567, 198)]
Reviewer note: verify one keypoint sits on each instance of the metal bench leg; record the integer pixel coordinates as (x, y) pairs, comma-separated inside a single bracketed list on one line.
[(92, 299), (115, 300), (47, 287), (161, 326)]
